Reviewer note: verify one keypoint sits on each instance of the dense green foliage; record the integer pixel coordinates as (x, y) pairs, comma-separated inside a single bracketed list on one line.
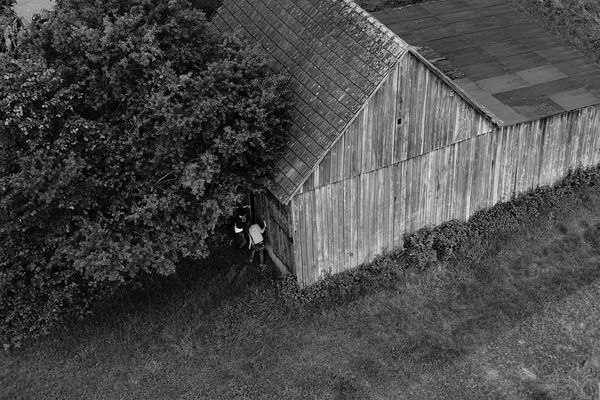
[(128, 132), (209, 7), (10, 28)]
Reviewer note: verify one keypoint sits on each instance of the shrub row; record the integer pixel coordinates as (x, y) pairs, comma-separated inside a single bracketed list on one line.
[(459, 241)]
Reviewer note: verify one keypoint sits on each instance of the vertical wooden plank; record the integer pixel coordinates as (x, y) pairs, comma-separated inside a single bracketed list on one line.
[(587, 152), (380, 208), (298, 238), (486, 170), (423, 109), (422, 181), (335, 161), (314, 218), (596, 136), (414, 177), (461, 150), (392, 111), (428, 112), (367, 149), (454, 187), (355, 218), (334, 227), (338, 225), (468, 165), (363, 230), (575, 124), (328, 238), (546, 154), (399, 203), (429, 192), (311, 242), (347, 213), (581, 132), (446, 171), (402, 102), (491, 168), (384, 209), (408, 183), (356, 156), (372, 214), (442, 187), (389, 191), (536, 153), (474, 184), (325, 236), (416, 111), (503, 190)]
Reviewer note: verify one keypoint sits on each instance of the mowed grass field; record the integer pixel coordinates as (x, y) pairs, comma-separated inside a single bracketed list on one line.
[(521, 323)]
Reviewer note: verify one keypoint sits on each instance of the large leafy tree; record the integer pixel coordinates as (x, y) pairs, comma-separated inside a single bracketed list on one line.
[(10, 28), (128, 132)]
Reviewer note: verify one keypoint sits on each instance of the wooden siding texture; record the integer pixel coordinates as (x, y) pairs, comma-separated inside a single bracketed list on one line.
[(412, 113), (279, 226), (346, 223)]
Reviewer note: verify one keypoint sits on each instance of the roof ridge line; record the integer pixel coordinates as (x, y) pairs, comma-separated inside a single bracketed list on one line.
[(374, 21)]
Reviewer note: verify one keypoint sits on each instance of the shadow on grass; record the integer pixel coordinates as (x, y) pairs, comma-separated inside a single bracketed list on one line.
[(195, 335)]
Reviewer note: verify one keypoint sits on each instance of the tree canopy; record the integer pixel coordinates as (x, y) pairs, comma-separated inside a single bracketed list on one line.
[(128, 132)]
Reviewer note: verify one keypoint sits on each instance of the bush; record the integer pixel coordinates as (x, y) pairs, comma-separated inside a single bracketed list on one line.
[(472, 240), (128, 132)]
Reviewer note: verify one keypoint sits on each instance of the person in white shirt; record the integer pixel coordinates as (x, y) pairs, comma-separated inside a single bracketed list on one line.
[(256, 242)]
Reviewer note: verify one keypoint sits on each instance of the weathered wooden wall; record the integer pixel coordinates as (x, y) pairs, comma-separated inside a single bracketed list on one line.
[(341, 223), (412, 113), (279, 231)]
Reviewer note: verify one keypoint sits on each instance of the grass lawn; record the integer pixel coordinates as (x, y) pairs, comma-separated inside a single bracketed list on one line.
[(522, 323)]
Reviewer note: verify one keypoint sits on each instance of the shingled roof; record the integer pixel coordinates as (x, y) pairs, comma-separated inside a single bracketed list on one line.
[(337, 55), (499, 57)]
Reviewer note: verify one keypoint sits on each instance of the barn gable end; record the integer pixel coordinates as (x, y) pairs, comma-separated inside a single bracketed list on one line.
[(395, 124), (351, 207)]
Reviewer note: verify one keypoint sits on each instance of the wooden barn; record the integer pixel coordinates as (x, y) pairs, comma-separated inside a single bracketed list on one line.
[(450, 107)]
